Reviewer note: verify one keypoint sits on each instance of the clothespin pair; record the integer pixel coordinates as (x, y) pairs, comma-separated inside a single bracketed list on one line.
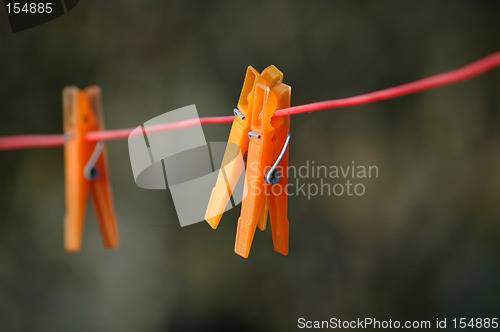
[(264, 138), (86, 168)]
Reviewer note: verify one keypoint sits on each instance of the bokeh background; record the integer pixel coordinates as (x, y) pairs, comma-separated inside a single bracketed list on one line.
[(422, 242)]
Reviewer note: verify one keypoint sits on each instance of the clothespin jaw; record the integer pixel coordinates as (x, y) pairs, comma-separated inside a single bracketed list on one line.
[(268, 138), (82, 112), (230, 171)]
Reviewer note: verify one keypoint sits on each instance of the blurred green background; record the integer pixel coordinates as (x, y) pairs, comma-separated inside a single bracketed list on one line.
[(422, 242)]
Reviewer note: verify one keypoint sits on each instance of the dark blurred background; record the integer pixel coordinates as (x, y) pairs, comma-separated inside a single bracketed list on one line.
[(422, 242)]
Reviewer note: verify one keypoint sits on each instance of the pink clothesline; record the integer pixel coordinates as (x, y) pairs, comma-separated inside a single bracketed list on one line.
[(469, 71)]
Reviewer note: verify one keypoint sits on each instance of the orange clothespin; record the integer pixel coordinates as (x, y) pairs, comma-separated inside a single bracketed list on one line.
[(265, 138), (238, 137), (86, 168)]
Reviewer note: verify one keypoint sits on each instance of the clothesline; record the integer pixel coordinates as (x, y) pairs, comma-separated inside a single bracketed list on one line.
[(469, 71)]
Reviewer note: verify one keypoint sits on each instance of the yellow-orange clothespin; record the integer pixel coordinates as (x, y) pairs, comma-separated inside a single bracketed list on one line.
[(86, 168), (238, 137), (265, 139)]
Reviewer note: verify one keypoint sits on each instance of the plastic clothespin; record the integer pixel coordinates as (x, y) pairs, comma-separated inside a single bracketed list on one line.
[(238, 137), (86, 168), (266, 177)]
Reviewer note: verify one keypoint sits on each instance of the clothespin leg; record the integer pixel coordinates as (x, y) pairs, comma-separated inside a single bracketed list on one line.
[(76, 204), (253, 207), (103, 204), (263, 216), (251, 211), (229, 174), (278, 207)]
